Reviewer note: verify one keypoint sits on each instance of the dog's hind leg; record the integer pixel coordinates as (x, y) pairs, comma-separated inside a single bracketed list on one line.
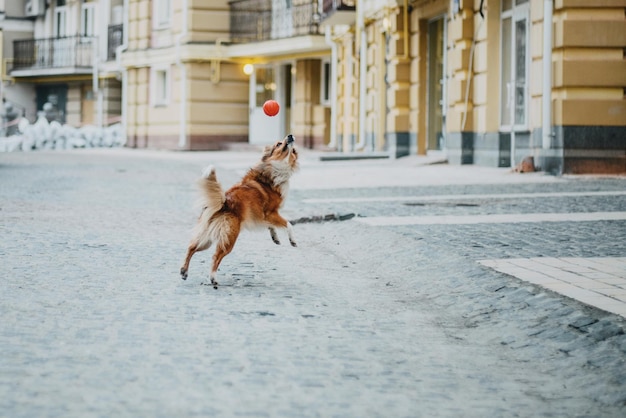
[(194, 247), (223, 248), (290, 234)]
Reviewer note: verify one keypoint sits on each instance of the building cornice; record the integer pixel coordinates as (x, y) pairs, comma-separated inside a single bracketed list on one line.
[(312, 45), (248, 52)]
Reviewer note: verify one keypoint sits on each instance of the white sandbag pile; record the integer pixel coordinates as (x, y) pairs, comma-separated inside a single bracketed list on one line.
[(44, 135)]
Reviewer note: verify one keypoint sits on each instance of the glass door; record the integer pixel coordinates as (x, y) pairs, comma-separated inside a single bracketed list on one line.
[(264, 83), (514, 71), (436, 85), (514, 66)]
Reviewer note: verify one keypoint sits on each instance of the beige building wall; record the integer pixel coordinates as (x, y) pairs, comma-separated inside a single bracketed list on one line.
[(308, 116), (217, 108), (73, 109), (589, 65), (347, 92), (112, 106), (417, 89), (387, 107), (137, 106), (376, 101), (208, 95), (486, 77), (460, 117), (398, 81), (373, 108), (477, 109), (82, 106), (210, 20), (536, 66), (589, 87)]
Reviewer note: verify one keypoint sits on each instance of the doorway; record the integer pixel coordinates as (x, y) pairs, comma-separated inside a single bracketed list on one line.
[(272, 81), (436, 85), (56, 95), (514, 68)]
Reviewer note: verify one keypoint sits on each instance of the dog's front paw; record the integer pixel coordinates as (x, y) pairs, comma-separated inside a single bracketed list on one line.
[(274, 236), (293, 243), (183, 273), (214, 283)]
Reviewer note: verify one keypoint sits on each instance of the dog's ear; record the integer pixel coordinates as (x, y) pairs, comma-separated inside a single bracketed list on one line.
[(267, 151)]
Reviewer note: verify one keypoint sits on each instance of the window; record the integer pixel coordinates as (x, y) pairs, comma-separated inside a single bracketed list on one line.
[(162, 13), (265, 84), (60, 19), (326, 81), (87, 19), (514, 65), (160, 86), (282, 19)]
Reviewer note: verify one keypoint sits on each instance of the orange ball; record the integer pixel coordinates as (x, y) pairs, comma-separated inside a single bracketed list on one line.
[(271, 108)]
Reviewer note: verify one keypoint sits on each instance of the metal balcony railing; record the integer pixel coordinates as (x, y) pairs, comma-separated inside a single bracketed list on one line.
[(115, 38), (66, 52), (338, 11), (330, 6), (262, 20)]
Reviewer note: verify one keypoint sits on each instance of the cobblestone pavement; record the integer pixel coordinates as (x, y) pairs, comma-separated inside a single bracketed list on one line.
[(358, 321)]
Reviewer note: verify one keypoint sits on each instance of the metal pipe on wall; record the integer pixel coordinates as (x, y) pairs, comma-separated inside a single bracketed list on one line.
[(182, 133), (360, 22), (333, 88), (118, 59), (546, 126)]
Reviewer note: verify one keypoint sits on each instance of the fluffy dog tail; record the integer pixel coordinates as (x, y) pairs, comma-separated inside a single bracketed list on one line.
[(213, 197), (210, 227)]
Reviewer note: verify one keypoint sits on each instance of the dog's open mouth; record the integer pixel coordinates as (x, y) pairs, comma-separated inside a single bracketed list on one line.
[(288, 142)]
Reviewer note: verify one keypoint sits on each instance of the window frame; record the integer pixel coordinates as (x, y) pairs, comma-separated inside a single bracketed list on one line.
[(88, 21), (160, 97), (519, 11), (162, 14), (326, 82), (60, 22)]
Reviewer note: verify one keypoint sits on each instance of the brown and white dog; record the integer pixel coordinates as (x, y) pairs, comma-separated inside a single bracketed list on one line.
[(253, 202)]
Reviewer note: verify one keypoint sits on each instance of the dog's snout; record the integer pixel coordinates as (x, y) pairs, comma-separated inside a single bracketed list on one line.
[(290, 138)]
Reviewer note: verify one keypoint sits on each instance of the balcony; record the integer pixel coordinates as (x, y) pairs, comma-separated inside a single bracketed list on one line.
[(53, 56), (115, 37), (257, 20), (339, 12)]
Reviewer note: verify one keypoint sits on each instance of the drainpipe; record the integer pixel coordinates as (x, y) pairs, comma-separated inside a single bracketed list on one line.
[(360, 24), (546, 128), (333, 88), (118, 59), (347, 102), (512, 87), (182, 135), (95, 83)]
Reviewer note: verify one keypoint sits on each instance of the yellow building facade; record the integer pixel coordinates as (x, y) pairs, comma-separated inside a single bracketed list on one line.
[(198, 72), (466, 78), (486, 82)]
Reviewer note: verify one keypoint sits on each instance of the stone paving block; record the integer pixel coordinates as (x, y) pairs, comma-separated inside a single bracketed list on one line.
[(603, 330), (357, 321)]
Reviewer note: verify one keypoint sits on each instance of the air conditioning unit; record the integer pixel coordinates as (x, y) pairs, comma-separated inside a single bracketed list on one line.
[(35, 8)]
